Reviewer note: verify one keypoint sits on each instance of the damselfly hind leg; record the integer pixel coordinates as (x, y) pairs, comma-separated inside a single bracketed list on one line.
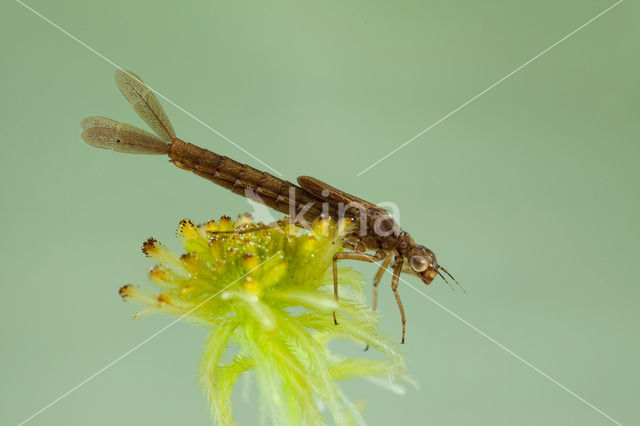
[(277, 224), (347, 255)]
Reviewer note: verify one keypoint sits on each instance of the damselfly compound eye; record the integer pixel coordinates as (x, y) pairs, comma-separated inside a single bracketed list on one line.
[(419, 263)]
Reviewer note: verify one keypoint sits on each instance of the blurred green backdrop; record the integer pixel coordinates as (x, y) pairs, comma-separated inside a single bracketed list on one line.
[(529, 194)]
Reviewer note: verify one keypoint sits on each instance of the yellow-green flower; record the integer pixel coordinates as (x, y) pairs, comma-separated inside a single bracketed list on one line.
[(268, 294)]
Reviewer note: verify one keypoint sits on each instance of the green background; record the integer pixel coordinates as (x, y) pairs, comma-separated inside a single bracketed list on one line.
[(529, 194)]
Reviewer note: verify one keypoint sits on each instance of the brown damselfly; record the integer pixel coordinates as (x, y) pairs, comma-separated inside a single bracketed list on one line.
[(376, 238)]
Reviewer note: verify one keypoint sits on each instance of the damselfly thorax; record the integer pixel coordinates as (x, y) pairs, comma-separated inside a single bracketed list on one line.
[(375, 236)]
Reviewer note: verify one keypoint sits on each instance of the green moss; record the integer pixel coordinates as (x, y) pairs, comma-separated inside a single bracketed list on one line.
[(269, 294)]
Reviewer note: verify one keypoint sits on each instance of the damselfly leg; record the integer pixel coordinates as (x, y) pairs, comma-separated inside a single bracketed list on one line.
[(353, 256), (277, 224), (397, 269)]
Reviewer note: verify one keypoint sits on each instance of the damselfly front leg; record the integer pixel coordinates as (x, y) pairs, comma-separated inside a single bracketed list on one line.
[(397, 269), (376, 281)]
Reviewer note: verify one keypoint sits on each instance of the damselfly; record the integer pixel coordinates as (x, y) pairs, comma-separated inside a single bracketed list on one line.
[(378, 238)]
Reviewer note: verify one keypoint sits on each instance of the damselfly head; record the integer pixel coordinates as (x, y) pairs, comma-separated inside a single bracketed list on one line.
[(423, 263)]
